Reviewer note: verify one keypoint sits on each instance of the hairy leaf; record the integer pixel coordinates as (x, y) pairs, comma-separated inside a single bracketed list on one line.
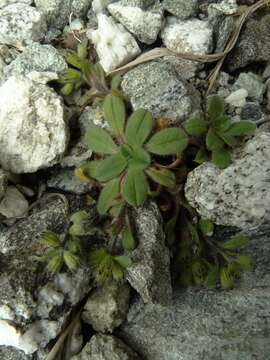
[(196, 126), (100, 141), (135, 188), (55, 263), (221, 123), (139, 127), (75, 60), (235, 242), (110, 168), (215, 107), (115, 82), (115, 113), (49, 238), (82, 49), (245, 262), (227, 138), (163, 177), (107, 196), (226, 279), (221, 158), (123, 260), (70, 260), (140, 159), (117, 271), (201, 156), (213, 141), (242, 128), (168, 141)]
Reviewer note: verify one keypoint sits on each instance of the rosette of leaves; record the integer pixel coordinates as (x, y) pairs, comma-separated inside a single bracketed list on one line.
[(128, 164), (82, 71), (58, 253), (204, 261), (219, 133), (107, 267)]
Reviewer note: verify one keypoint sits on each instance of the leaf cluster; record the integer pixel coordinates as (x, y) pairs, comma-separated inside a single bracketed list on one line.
[(204, 261), (219, 133), (128, 164)]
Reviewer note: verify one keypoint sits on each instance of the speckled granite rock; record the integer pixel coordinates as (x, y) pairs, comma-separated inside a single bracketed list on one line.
[(21, 24), (238, 195), (158, 87), (3, 183), (105, 347), (149, 274), (181, 8)]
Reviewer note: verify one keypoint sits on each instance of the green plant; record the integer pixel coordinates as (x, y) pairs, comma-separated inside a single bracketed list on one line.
[(83, 73), (219, 133), (126, 171)]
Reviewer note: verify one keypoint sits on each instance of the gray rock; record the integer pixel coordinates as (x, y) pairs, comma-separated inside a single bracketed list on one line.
[(13, 204), (106, 347), (188, 36), (36, 57), (252, 111), (33, 133), (66, 180), (223, 27), (21, 24), (149, 273), (4, 3), (3, 183), (8, 353), (253, 43), (144, 25), (57, 12), (157, 87), (227, 7), (181, 8), (238, 195), (202, 324), (32, 300), (252, 83), (106, 307)]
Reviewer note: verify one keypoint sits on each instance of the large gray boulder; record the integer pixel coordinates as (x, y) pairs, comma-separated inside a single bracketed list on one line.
[(238, 195), (157, 87), (21, 24), (33, 132)]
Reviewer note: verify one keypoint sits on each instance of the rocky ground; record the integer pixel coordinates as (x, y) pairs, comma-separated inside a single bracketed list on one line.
[(42, 142)]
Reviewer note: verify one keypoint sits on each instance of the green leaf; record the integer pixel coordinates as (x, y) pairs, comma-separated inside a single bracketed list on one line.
[(139, 127), (128, 241), (100, 141), (135, 188), (110, 168), (90, 167), (213, 142), (55, 263), (212, 276), (49, 238), (116, 82), (123, 260), (221, 158), (115, 113), (215, 106), (168, 141), (140, 159), (79, 216), (206, 227), (245, 262), (201, 156), (163, 177), (107, 196), (241, 128), (74, 245), (196, 126), (235, 242), (221, 123), (67, 89), (70, 76), (228, 139), (117, 271), (226, 279), (75, 60), (82, 49), (98, 69), (70, 260)]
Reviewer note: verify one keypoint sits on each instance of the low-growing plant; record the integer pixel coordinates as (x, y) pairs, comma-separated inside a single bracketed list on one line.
[(219, 133)]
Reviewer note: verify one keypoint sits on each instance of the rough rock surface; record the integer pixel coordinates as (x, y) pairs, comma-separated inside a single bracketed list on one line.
[(253, 43), (190, 36), (157, 87), (106, 307), (58, 11), (115, 46), (202, 324), (3, 183), (21, 24), (252, 83), (145, 25), (4, 3), (33, 133), (33, 303), (181, 8), (106, 347), (238, 195), (66, 180), (149, 274), (36, 57), (13, 204)]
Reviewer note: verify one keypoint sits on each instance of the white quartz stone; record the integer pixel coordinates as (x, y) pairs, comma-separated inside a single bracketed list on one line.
[(237, 98)]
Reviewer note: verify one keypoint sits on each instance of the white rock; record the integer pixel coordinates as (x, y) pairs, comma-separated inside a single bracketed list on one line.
[(114, 45), (100, 5), (9, 335), (238, 195), (4, 3), (33, 133), (237, 98), (14, 204), (190, 36), (6, 313), (145, 25), (21, 24), (227, 7)]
